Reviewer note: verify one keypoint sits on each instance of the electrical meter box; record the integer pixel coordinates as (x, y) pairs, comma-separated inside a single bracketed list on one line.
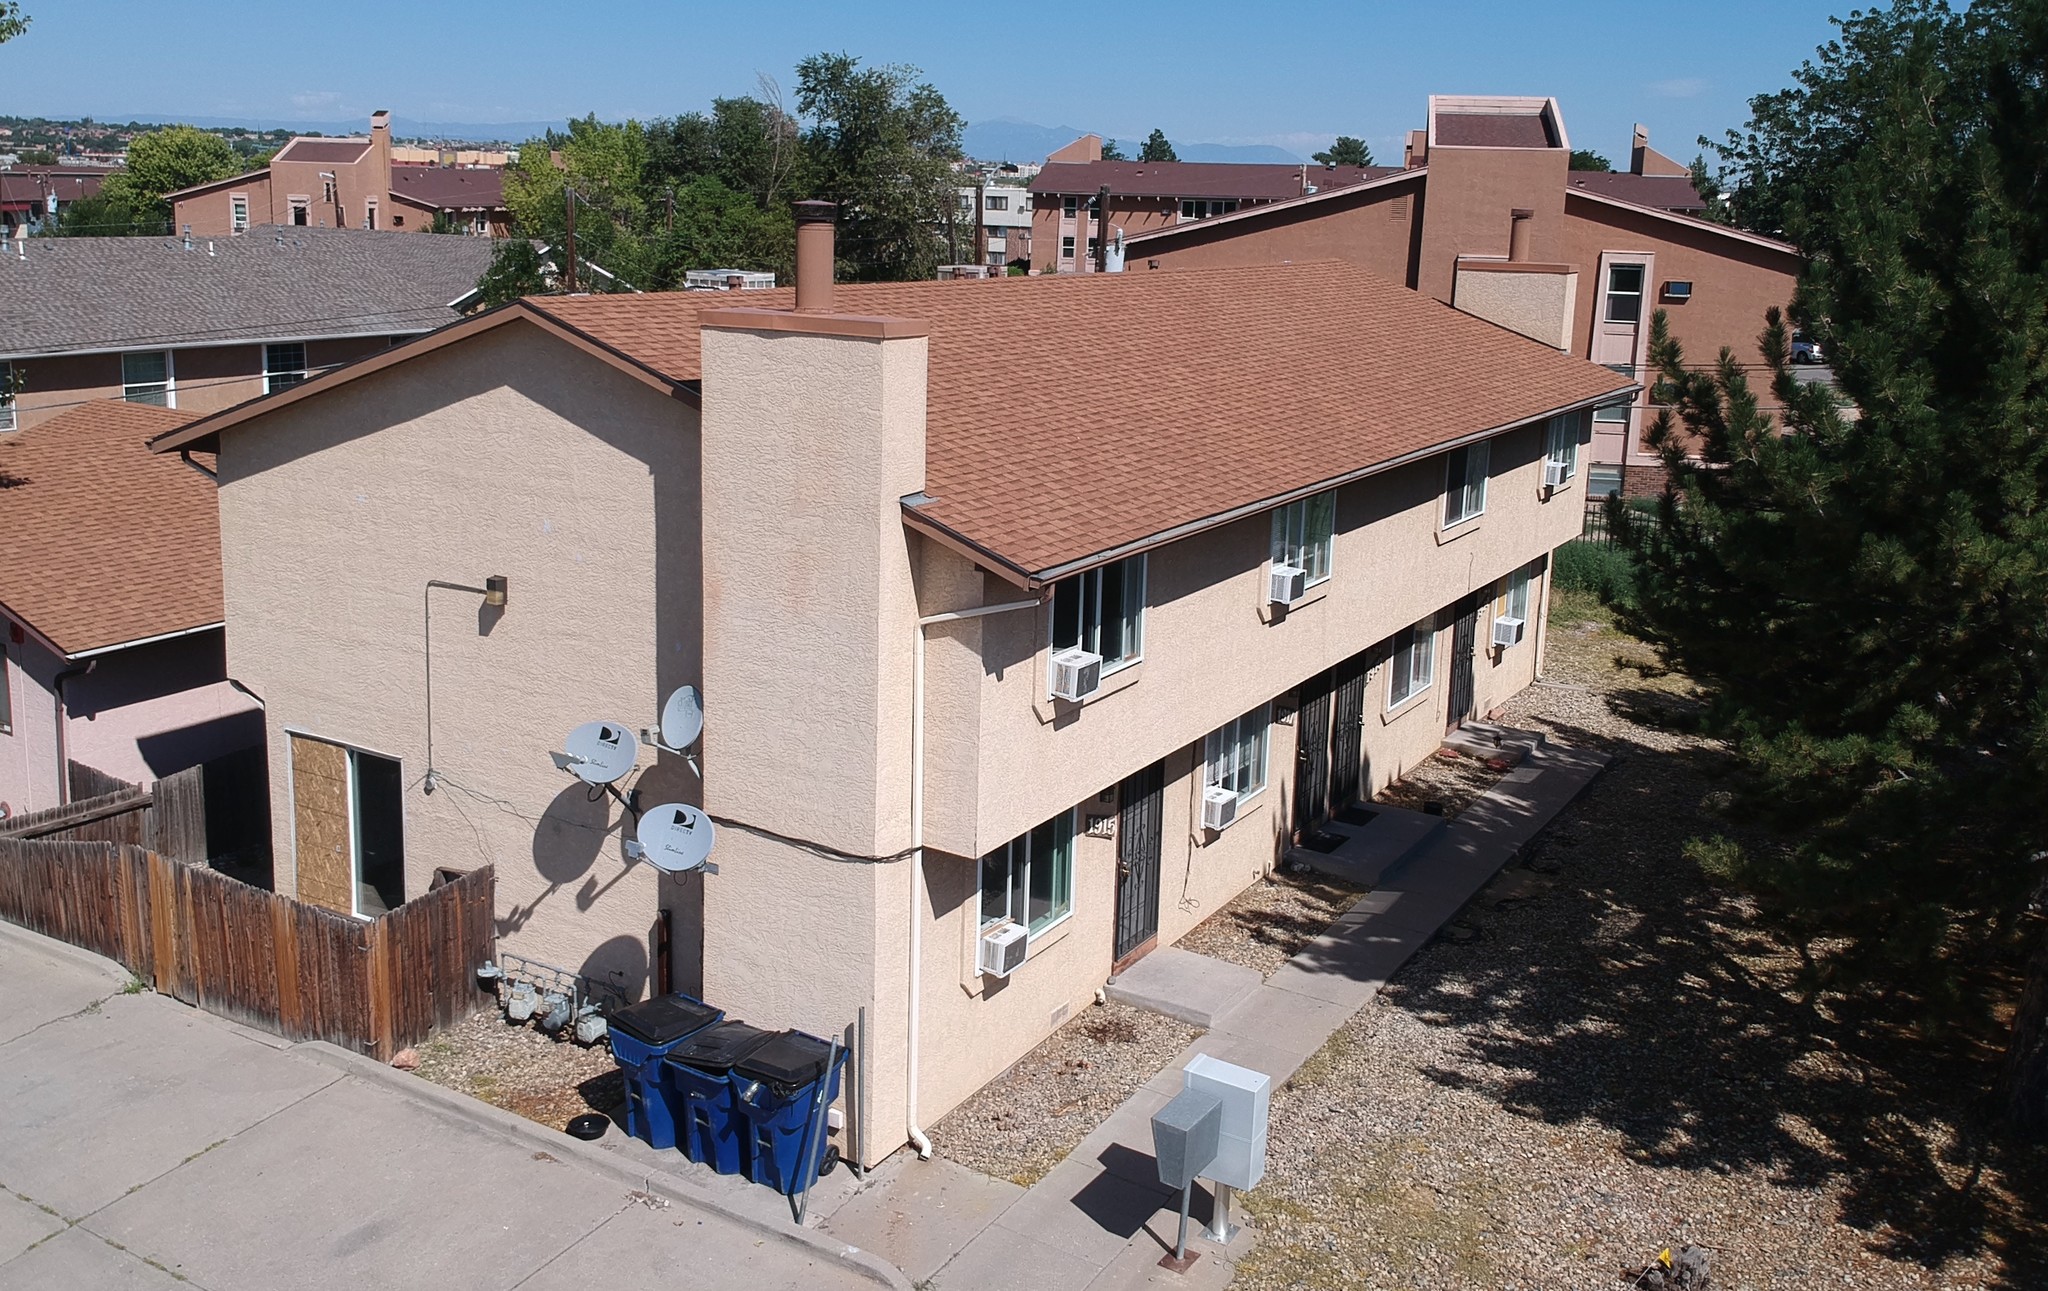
[(1241, 1142)]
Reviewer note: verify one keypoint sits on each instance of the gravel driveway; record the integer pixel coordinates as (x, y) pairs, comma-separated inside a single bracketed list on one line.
[(1619, 1061)]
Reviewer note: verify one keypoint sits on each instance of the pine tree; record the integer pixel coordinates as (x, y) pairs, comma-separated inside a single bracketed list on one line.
[(1347, 151), (1861, 588), (1157, 148)]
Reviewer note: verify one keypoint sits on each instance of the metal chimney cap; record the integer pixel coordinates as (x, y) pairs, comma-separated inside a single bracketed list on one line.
[(816, 212)]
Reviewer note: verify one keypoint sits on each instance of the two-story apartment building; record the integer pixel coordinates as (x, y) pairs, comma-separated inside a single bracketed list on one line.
[(200, 324), (1067, 672), (345, 183), (1487, 216), (999, 216)]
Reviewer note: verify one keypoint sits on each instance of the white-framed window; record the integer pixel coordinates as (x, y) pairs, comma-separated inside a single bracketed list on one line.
[(1198, 208), (7, 418), (995, 233), (1030, 879), (1616, 411), (1413, 666), (997, 202), (1067, 247), (1624, 293), (1234, 756), (283, 366), (482, 226), (997, 258), (1603, 480), (1561, 443), (301, 210), (1069, 206), (1465, 470), (238, 213), (146, 378), (370, 214), (1518, 593), (966, 203), (1302, 534), (1102, 611)]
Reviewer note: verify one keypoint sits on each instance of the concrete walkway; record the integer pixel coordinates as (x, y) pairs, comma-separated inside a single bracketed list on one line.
[(1099, 1219), (144, 1144)]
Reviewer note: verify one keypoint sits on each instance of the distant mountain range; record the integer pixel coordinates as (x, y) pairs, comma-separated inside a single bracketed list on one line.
[(1004, 139), (1001, 139)]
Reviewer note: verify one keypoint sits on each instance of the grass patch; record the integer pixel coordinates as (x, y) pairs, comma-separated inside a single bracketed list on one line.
[(1601, 569)]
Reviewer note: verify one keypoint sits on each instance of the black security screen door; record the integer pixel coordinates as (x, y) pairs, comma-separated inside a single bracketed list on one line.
[(1346, 730), (1312, 754), (1464, 638), (1138, 836)]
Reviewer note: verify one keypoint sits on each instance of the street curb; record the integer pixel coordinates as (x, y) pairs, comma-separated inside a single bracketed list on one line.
[(63, 951), (527, 1132)]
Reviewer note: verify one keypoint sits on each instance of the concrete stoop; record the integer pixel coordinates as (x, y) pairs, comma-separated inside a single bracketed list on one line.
[(1181, 984), (1371, 850), (1491, 742)]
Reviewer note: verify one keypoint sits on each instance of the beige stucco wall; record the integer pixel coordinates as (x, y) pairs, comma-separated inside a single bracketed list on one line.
[(512, 454), (1539, 305)]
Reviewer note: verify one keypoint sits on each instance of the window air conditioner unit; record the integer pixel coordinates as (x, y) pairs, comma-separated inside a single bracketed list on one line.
[(1219, 807), (1286, 584), (1002, 949), (1076, 674), (1507, 631), (1555, 474)]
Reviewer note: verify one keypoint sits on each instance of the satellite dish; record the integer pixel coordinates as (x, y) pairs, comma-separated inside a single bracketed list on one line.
[(601, 752), (677, 837), (682, 718)]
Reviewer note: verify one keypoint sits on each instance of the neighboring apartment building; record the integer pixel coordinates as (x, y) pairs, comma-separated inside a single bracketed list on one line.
[(972, 673), (1488, 217), (200, 324), (318, 182), (111, 602), (1003, 225), (1070, 217), (31, 195)]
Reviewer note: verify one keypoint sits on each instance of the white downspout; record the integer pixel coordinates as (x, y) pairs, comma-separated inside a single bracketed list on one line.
[(917, 1136)]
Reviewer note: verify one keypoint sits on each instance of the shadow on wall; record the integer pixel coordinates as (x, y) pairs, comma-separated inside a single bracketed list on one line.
[(187, 746), (571, 834)]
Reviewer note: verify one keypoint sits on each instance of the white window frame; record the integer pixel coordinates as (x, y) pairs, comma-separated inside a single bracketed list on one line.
[(1411, 669), (1616, 413), (169, 384), (1561, 443), (295, 206), (1023, 848), (1235, 755), (1609, 293), (238, 213), (1069, 207), (370, 213), (1202, 208), (1067, 247), (1087, 586), (9, 418), (1477, 458), (1516, 597), (270, 373), (996, 202), (482, 227), (1305, 533), (1599, 490)]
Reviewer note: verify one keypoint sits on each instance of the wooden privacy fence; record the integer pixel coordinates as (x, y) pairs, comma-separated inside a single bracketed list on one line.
[(257, 957), (215, 813)]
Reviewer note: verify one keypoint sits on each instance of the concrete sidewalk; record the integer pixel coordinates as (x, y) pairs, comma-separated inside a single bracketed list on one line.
[(145, 1144), (1100, 1219)]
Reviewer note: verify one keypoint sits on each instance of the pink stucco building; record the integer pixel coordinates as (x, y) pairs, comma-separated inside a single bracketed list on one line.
[(1068, 673)]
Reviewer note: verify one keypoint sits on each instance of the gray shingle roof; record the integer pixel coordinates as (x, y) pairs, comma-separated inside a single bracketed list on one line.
[(59, 295)]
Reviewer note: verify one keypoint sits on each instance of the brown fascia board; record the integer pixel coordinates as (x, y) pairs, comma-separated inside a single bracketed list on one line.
[(965, 546), (873, 327), (218, 183), (1685, 221), (204, 435), (1038, 578), (1289, 204)]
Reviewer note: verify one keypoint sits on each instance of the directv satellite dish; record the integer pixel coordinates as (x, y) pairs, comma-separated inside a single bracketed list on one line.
[(677, 838), (682, 718), (601, 752)]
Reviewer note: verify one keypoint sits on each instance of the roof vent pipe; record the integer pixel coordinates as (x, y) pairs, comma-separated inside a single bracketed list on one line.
[(1518, 236), (814, 253)]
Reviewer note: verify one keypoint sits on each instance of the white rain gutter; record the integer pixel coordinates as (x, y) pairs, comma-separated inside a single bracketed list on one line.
[(917, 1136)]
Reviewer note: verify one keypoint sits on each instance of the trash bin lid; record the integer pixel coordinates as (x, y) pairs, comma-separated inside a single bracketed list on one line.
[(664, 1019), (716, 1049), (787, 1061)]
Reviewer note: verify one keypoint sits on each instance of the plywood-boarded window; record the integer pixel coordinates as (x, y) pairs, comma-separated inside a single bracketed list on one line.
[(320, 824)]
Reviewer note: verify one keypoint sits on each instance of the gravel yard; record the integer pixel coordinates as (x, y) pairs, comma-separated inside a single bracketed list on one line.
[(1452, 779), (1269, 922), (1620, 1060), (522, 1070), (1022, 1123)]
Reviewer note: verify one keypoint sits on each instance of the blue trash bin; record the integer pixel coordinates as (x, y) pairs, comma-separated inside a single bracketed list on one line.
[(776, 1088), (642, 1035), (699, 1071)]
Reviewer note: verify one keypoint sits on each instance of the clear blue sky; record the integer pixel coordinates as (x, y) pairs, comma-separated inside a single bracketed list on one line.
[(1288, 74)]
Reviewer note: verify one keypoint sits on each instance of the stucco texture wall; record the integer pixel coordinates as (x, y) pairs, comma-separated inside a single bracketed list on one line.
[(1374, 228), (1537, 305), (507, 453)]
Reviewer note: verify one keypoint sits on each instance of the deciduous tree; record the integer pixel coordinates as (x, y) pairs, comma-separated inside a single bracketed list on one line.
[(164, 161)]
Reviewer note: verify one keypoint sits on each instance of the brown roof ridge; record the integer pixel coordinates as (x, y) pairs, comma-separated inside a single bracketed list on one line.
[(1729, 230)]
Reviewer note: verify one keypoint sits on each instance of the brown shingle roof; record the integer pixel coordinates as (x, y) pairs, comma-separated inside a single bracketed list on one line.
[(1665, 192), (324, 150), (1493, 130), (1226, 179), (1070, 416), (106, 542), (450, 187)]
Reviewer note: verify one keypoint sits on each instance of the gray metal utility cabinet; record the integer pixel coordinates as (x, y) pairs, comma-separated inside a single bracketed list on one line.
[(1241, 1143), (1184, 1136)]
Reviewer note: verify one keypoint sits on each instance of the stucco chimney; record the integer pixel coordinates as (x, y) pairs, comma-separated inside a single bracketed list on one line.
[(380, 152), (1416, 153), (1518, 234), (814, 253), (1639, 145)]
